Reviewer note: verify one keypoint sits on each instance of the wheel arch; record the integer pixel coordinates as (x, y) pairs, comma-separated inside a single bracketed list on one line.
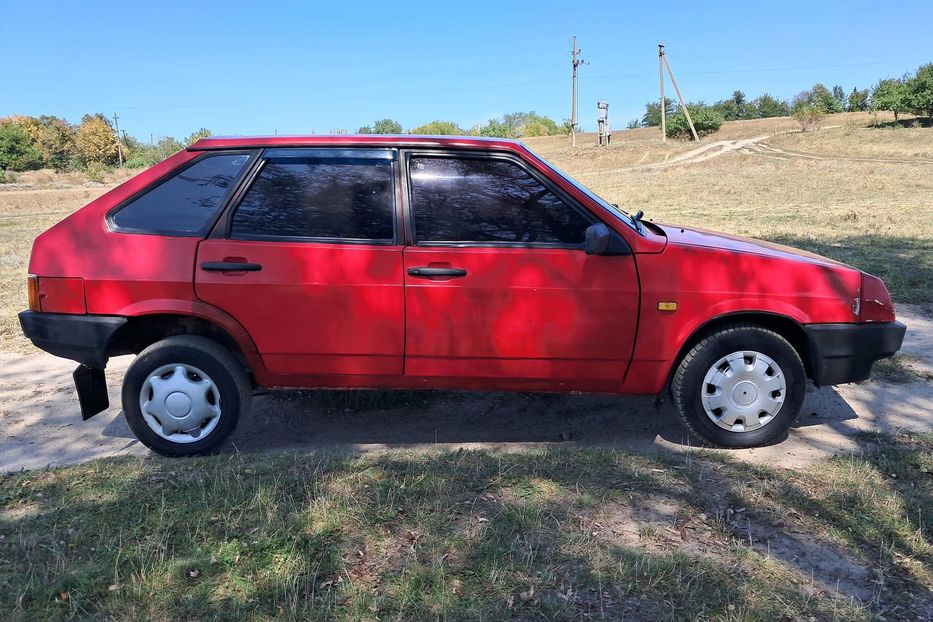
[(785, 326), (141, 331)]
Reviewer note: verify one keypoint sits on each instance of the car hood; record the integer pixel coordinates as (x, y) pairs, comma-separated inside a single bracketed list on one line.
[(686, 236)]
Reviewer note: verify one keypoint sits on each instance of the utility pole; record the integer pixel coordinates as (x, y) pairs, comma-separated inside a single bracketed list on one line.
[(663, 103), (683, 105), (116, 127), (574, 52)]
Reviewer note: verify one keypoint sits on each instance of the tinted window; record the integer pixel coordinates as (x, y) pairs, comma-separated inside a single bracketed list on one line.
[(486, 200), (186, 203), (319, 198)]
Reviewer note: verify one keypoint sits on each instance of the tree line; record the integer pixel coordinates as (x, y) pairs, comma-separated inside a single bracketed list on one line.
[(912, 93), (28, 143), (512, 125)]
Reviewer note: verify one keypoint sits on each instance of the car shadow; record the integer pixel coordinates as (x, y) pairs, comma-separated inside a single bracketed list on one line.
[(359, 420)]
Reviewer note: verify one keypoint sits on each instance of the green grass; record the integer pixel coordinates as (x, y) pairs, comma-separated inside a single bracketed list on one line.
[(544, 535)]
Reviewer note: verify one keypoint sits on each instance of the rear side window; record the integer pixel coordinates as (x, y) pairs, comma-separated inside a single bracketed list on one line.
[(319, 198), (488, 201), (186, 203)]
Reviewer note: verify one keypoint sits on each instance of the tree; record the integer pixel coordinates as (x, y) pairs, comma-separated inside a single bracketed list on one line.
[(387, 126), (890, 94), (382, 126), (919, 91), (96, 140), (17, 152), (820, 97), (438, 128), (767, 106), (494, 128), (840, 96), (734, 108), (57, 142), (652, 116), (858, 100), (196, 136)]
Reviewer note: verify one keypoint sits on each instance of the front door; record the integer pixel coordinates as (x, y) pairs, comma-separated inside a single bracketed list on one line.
[(498, 285), (310, 264)]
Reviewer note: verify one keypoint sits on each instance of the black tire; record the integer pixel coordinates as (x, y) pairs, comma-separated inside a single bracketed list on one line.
[(220, 365), (688, 384)]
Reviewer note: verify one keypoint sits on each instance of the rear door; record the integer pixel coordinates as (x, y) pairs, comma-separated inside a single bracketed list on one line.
[(308, 261), (498, 285)]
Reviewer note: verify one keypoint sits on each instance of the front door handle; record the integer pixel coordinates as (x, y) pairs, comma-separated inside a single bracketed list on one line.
[(230, 266), (426, 272)]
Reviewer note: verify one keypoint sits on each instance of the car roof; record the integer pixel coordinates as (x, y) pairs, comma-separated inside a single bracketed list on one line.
[(381, 140)]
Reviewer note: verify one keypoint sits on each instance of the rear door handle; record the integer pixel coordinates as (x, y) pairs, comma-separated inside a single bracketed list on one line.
[(425, 272), (230, 266)]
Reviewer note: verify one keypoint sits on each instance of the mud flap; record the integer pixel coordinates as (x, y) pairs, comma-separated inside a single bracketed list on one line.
[(92, 390)]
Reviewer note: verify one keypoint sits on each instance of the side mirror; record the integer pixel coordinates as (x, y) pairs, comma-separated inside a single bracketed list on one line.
[(601, 240), (597, 239)]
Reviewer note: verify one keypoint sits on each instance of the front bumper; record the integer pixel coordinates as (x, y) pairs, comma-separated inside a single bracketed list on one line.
[(841, 353), (81, 338)]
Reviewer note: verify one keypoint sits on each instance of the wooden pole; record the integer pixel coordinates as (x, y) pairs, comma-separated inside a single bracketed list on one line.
[(573, 107), (663, 103), (683, 104)]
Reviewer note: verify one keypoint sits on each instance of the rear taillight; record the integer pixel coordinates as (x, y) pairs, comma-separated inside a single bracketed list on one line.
[(32, 285), (876, 305)]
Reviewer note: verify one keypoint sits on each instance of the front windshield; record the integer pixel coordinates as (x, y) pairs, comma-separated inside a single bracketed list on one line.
[(623, 215)]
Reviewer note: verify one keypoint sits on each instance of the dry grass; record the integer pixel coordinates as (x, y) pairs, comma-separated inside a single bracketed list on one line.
[(875, 215)]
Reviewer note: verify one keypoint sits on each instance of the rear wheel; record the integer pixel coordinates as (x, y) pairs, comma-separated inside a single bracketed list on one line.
[(742, 386), (184, 395)]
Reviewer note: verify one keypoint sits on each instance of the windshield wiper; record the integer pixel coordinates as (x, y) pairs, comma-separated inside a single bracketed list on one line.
[(636, 220)]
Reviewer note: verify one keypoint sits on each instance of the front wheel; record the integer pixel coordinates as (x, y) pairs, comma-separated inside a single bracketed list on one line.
[(184, 395), (742, 386)]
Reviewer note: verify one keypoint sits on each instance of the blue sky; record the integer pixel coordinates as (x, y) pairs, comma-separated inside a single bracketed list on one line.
[(169, 68)]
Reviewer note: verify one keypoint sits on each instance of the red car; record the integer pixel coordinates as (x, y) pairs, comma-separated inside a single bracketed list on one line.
[(429, 262)]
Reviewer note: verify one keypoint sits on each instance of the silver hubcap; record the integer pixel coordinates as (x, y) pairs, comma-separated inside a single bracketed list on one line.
[(180, 403), (743, 391)]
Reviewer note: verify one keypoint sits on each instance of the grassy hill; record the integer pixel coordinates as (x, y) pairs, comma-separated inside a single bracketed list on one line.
[(854, 192)]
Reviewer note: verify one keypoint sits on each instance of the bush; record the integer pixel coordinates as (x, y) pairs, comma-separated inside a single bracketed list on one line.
[(438, 128), (17, 152), (7, 177), (809, 117), (95, 171), (705, 120)]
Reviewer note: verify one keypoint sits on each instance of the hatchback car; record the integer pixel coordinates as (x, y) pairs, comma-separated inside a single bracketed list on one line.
[(429, 262)]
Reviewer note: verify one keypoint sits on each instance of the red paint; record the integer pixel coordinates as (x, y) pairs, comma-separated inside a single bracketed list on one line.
[(313, 308), (61, 295), (349, 315)]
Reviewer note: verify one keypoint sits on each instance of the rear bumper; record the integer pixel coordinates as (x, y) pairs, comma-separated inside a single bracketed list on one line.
[(81, 338), (841, 353)]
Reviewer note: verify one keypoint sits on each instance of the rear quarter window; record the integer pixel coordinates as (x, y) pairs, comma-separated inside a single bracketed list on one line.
[(186, 203)]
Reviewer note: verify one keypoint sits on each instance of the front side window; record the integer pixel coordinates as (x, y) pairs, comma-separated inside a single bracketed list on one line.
[(323, 198), (484, 200), (186, 203)]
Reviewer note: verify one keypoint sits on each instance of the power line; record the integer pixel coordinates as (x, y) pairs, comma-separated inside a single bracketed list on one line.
[(231, 104)]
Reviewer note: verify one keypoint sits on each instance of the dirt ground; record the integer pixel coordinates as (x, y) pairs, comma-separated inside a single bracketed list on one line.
[(43, 424)]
